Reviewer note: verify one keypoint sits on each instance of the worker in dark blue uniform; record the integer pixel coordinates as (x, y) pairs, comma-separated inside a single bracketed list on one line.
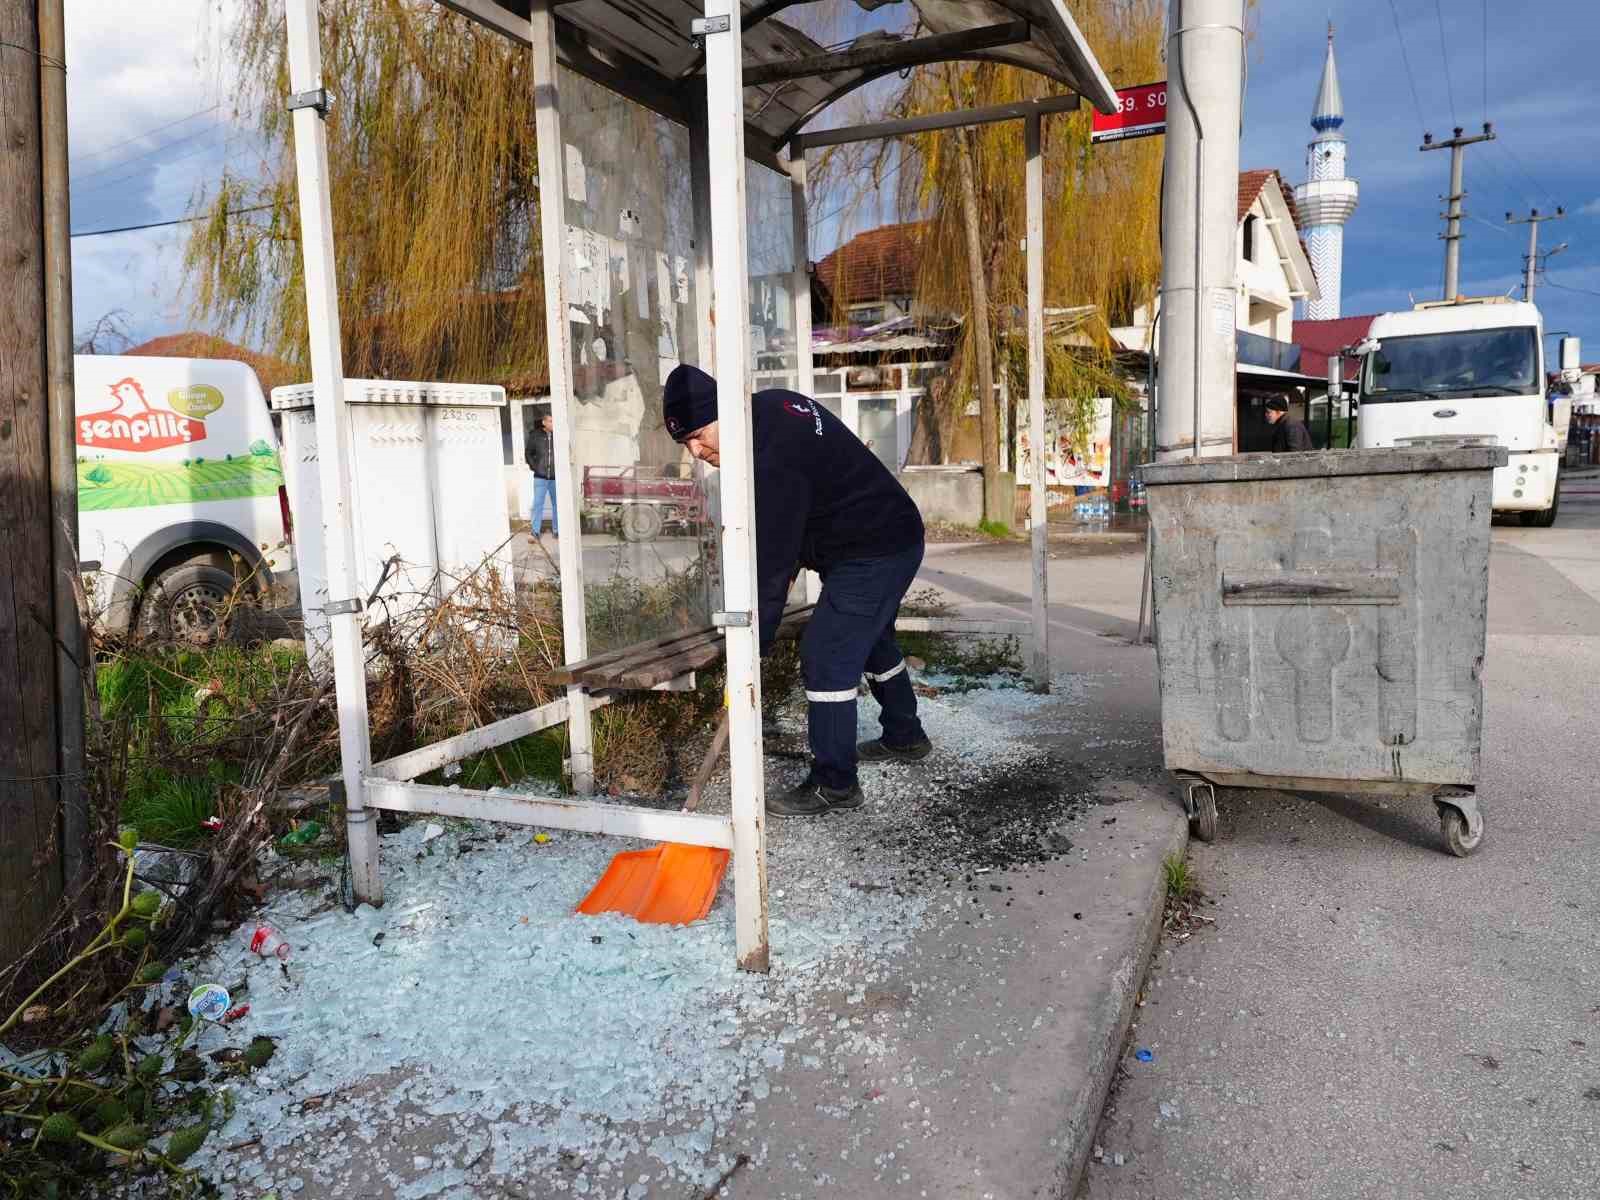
[(824, 502)]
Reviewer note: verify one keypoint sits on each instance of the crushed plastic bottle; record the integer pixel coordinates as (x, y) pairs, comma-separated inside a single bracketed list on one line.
[(302, 834), (268, 941)]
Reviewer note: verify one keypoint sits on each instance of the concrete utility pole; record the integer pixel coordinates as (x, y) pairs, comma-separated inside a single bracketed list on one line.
[(1530, 264), (1199, 224), (1452, 234)]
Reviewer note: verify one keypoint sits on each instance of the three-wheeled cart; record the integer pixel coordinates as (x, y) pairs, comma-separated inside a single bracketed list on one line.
[(1320, 623)]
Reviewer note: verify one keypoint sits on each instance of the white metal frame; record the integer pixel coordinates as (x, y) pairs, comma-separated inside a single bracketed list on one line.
[(718, 157)]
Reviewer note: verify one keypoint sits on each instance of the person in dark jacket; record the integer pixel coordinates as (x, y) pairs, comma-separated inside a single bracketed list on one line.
[(1287, 433), (539, 451), (823, 502)]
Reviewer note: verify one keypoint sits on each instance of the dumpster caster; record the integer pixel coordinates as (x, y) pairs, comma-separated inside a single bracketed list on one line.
[(1461, 824), (1201, 801)]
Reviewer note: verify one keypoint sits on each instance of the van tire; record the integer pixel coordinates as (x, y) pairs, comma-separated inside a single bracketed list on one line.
[(1545, 518), (188, 601)]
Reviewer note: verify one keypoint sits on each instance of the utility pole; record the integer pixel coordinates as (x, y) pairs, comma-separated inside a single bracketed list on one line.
[(41, 726), (1452, 234), (1530, 264), (1199, 222)]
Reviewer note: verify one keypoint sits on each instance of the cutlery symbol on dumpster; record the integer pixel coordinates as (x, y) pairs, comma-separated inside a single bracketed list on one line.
[(1313, 641)]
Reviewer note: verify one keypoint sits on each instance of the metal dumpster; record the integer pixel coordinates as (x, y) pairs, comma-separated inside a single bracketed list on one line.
[(1320, 622)]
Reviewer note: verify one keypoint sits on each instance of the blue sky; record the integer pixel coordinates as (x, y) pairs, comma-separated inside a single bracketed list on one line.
[(1537, 77), (151, 128)]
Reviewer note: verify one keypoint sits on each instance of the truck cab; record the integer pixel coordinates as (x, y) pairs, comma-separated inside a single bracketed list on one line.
[(1470, 371)]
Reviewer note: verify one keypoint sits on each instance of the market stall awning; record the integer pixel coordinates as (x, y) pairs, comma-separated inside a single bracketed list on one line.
[(646, 50)]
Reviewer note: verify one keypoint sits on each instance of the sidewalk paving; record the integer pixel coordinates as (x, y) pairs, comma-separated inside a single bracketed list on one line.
[(954, 970)]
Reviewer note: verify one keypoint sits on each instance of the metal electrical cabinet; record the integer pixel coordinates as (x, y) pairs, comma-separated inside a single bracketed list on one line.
[(427, 484), (1320, 622)]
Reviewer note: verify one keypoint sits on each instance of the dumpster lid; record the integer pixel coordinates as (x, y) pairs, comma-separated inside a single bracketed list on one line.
[(294, 396), (1324, 464)]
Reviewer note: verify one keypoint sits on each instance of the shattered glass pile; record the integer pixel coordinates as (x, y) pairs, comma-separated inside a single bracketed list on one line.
[(476, 1037)]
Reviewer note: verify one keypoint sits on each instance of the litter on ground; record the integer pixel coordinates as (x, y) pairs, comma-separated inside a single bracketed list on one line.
[(476, 1011)]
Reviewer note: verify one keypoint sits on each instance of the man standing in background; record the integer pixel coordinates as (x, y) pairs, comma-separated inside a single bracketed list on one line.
[(1287, 433), (539, 451)]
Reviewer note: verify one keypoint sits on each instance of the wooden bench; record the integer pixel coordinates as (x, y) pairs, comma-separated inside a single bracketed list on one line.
[(647, 665)]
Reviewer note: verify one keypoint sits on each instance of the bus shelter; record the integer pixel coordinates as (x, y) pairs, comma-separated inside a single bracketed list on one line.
[(672, 181)]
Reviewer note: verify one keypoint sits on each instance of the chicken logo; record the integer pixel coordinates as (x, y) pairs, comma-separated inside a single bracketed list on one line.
[(131, 424)]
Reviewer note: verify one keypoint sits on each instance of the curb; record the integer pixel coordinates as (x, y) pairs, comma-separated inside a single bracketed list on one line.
[(1082, 1118), (1120, 536)]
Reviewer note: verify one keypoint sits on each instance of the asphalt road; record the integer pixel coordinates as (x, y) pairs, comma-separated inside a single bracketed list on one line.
[(1369, 1017)]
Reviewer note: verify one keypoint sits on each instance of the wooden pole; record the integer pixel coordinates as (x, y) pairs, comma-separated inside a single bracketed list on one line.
[(30, 844), (71, 638)]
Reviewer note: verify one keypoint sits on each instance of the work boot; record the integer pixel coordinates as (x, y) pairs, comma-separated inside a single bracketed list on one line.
[(877, 750), (811, 799), (805, 799)]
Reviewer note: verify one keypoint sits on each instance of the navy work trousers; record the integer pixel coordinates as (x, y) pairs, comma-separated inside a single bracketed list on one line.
[(851, 634)]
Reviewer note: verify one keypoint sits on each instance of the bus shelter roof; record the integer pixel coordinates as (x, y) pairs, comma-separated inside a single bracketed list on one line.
[(648, 51)]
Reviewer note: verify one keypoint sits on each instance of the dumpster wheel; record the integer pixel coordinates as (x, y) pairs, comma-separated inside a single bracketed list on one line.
[(1202, 805), (1462, 827)]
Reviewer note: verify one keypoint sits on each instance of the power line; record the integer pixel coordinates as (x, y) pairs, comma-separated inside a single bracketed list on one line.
[(147, 133), (1406, 59), (1486, 224), (1538, 185), (236, 212), (1485, 60), (117, 166), (1548, 282), (1444, 54)]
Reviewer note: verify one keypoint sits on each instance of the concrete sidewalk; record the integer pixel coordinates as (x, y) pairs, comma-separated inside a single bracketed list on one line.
[(955, 966)]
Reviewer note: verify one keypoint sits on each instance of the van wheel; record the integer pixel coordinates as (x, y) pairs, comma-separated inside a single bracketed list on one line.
[(1547, 517), (188, 602)]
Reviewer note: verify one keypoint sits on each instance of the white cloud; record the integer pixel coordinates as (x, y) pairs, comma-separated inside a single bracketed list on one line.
[(149, 119), (1591, 209)]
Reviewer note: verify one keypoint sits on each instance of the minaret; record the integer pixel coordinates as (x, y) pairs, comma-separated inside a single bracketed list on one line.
[(1327, 198)]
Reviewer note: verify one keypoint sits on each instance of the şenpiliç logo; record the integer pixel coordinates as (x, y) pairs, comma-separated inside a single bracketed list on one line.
[(132, 424)]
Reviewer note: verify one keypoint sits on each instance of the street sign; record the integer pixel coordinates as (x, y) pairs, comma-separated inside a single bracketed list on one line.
[(1141, 111)]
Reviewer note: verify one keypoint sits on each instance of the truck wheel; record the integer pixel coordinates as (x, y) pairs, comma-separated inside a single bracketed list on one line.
[(1547, 517), (189, 602), (640, 522)]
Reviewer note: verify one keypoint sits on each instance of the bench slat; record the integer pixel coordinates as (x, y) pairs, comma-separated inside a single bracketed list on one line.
[(648, 664)]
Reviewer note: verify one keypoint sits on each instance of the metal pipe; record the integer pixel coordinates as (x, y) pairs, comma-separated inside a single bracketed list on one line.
[(71, 641), (345, 591), (724, 90)]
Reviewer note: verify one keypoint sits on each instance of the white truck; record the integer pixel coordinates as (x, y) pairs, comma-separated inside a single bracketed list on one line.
[(1471, 370), (180, 490)]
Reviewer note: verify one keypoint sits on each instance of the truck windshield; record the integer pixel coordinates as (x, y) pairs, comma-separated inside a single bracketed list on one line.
[(1485, 362)]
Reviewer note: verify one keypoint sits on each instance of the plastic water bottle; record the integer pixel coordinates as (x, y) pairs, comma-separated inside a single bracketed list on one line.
[(267, 940)]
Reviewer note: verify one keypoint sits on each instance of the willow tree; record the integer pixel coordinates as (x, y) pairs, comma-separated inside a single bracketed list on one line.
[(965, 190), (435, 197)]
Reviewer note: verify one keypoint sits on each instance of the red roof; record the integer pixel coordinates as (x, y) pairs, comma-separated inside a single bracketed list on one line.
[(873, 265), (1319, 339), (271, 372)]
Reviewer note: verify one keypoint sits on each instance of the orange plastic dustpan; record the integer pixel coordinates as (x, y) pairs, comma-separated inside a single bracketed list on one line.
[(670, 884)]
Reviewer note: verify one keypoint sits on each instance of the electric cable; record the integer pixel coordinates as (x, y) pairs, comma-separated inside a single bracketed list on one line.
[(87, 233), (1406, 59), (1444, 54)]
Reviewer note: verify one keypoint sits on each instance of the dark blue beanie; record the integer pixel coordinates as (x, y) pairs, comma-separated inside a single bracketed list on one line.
[(689, 401)]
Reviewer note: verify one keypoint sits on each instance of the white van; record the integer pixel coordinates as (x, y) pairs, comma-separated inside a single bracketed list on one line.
[(180, 490)]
